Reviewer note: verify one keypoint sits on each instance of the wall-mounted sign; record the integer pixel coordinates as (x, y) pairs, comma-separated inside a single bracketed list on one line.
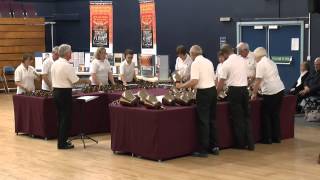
[(148, 27), (282, 59), (101, 25)]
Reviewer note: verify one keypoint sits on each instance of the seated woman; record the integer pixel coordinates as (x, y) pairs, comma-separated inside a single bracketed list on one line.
[(100, 69), (183, 63), (272, 88), (299, 84), (312, 83), (25, 75), (127, 72)]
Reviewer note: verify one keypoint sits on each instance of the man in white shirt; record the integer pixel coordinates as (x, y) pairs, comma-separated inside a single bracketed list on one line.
[(183, 63), (234, 72), (272, 88), (245, 53), (127, 72), (25, 75), (203, 79), (63, 77), (46, 70)]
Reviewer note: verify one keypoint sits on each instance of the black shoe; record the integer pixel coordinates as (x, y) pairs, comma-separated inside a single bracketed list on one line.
[(67, 146), (276, 141), (200, 154), (266, 141), (251, 147), (214, 151)]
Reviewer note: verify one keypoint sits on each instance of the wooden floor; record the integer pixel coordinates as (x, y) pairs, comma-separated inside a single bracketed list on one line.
[(22, 157)]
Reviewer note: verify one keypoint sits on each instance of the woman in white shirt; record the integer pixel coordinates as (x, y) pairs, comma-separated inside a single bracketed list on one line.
[(272, 88), (183, 63), (222, 95), (25, 75), (100, 69)]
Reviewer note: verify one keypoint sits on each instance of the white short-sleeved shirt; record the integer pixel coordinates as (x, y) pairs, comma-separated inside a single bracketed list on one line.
[(202, 69), (267, 71), (234, 71), (26, 77), (63, 74), (127, 70), (218, 71), (184, 67), (46, 70), (101, 69), (250, 59)]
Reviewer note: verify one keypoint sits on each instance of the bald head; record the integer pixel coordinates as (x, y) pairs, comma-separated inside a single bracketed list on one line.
[(195, 51)]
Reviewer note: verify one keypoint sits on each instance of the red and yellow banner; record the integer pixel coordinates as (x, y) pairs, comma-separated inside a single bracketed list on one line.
[(101, 25), (148, 27)]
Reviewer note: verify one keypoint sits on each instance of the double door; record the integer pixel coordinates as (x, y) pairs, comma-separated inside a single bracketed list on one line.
[(283, 41)]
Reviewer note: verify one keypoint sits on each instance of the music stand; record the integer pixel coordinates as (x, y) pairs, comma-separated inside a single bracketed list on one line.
[(82, 101)]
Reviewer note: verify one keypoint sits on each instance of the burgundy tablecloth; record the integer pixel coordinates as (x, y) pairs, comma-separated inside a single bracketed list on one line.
[(170, 133), (38, 116)]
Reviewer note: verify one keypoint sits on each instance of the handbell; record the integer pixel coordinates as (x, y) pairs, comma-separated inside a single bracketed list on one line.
[(142, 95), (176, 77), (169, 100), (151, 102), (128, 99)]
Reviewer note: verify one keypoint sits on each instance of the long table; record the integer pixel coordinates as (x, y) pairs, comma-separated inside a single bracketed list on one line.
[(37, 116), (170, 133)]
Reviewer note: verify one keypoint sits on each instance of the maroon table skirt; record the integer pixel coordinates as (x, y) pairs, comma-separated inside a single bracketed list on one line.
[(38, 116), (170, 133)]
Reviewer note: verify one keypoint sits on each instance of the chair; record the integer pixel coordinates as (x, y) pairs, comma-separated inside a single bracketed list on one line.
[(8, 75), (4, 88), (17, 10), (29, 10), (5, 10)]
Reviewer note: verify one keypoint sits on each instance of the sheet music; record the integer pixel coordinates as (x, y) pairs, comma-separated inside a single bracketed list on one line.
[(87, 98)]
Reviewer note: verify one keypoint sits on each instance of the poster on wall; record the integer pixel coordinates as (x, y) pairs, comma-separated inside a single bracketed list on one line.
[(101, 25), (148, 27), (147, 63)]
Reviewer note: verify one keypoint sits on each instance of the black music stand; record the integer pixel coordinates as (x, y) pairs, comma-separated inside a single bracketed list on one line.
[(82, 101)]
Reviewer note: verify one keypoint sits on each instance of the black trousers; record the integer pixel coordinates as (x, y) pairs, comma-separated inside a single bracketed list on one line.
[(271, 107), (63, 101), (238, 98), (206, 101)]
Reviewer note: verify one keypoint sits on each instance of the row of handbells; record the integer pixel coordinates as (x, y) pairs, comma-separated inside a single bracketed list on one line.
[(174, 97)]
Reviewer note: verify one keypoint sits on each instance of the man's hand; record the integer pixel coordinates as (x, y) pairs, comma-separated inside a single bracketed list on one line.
[(305, 91), (178, 85), (253, 96)]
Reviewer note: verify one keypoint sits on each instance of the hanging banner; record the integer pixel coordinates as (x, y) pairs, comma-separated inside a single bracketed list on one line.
[(101, 25), (148, 27)]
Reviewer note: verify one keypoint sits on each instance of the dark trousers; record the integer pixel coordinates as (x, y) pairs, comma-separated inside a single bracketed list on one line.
[(238, 98), (206, 101), (63, 101), (271, 107)]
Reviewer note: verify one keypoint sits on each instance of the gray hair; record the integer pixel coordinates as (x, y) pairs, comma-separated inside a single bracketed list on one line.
[(196, 49), (317, 59), (55, 49), (260, 52), (243, 46), (64, 49)]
